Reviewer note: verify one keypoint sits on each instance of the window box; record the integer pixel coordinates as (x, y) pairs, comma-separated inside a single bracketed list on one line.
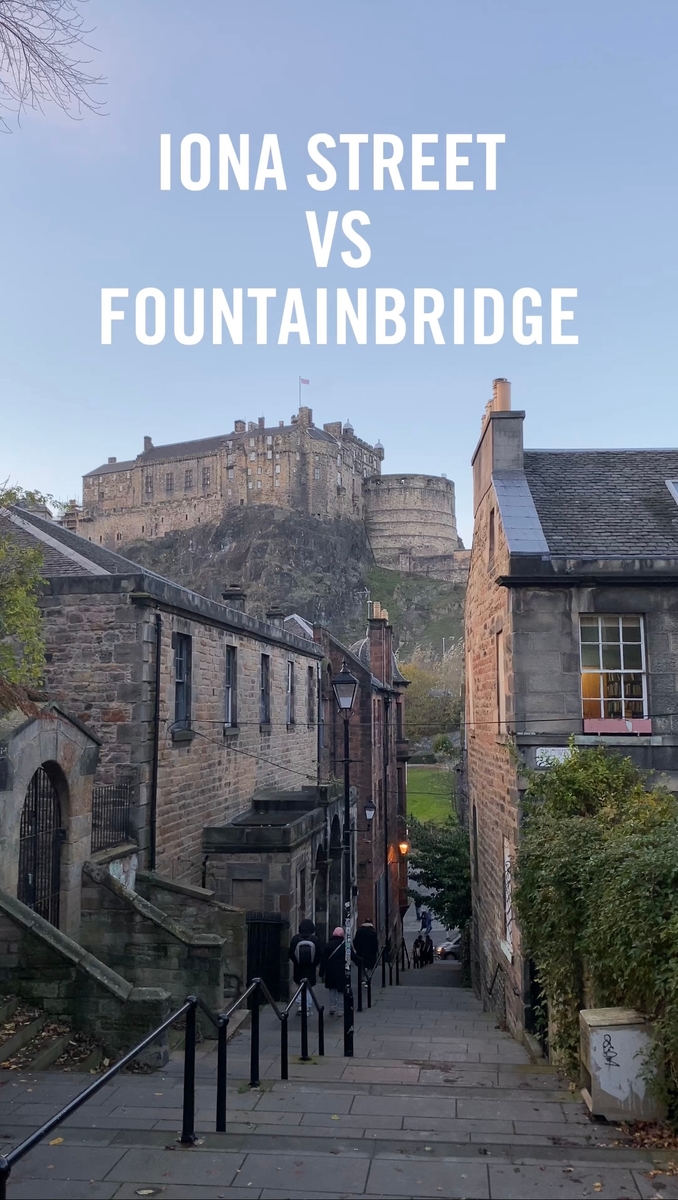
[(633, 726)]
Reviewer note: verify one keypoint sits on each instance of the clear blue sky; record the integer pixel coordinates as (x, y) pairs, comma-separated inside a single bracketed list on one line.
[(587, 97)]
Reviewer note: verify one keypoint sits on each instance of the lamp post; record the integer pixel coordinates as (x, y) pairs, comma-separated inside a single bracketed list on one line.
[(345, 687)]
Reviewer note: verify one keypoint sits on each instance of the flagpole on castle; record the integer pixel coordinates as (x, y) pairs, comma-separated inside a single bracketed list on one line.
[(306, 381)]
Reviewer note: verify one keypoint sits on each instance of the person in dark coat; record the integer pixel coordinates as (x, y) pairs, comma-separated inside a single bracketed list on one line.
[(417, 949), (333, 969), (366, 945), (305, 952), (428, 949)]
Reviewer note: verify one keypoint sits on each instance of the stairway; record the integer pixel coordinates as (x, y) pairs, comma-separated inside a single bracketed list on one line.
[(32, 1041), (437, 1102)]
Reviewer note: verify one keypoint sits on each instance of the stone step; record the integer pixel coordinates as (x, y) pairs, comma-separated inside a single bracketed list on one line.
[(47, 1054), (16, 1041)]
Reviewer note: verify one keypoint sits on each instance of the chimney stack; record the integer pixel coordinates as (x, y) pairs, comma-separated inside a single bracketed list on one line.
[(112, 460), (239, 427), (234, 597), (275, 616), (262, 422), (148, 444), (380, 635)]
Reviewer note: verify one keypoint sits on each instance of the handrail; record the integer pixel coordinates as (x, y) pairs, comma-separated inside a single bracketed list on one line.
[(220, 1021), (7, 1161)]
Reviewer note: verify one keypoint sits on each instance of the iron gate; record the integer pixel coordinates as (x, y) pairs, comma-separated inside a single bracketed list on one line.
[(40, 840), (265, 951)]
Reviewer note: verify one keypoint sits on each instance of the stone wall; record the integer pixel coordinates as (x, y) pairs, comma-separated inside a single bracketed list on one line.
[(492, 777), (101, 649), (154, 949), (44, 967), (410, 515)]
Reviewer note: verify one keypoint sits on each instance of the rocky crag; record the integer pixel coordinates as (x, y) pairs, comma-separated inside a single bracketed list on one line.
[(322, 569)]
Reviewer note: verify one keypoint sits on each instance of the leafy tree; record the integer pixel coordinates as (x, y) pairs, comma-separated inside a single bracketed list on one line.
[(440, 861), (597, 895), (433, 703), (22, 653)]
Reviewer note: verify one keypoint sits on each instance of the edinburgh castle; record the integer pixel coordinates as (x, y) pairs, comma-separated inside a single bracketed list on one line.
[(325, 474)]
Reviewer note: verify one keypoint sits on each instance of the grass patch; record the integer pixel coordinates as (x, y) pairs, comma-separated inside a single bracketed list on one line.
[(429, 794)]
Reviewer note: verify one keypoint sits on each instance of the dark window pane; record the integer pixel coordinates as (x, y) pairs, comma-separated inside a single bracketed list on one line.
[(633, 658), (610, 628), (631, 629), (589, 629), (590, 656), (611, 657)]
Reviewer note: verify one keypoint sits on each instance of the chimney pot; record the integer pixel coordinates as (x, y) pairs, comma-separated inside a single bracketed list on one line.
[(501, 395), (234, 597)]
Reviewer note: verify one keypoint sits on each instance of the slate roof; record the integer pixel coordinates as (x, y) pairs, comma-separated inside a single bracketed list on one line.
[(110, 468), (67, 555), (605, 503), (201, 446)]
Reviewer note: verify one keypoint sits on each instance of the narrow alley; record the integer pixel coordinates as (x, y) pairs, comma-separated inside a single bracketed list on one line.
[(437, 1102)]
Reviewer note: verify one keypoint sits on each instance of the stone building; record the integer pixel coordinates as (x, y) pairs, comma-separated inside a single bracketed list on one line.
[(571, 631), (210, 732), (378, 752), (320, 473)]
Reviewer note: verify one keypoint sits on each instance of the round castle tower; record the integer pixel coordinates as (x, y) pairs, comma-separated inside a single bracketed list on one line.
[(410, 517)]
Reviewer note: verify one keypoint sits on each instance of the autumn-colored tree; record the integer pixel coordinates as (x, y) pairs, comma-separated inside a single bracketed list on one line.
[(433, 700), (22, 653)]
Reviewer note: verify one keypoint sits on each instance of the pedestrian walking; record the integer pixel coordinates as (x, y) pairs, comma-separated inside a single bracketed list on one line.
[(426, 921), (428, 949), (417, 949), (305, 952), (333, 968), (366, 945)]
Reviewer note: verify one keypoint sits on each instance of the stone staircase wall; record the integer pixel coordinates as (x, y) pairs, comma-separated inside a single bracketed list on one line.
[(178, 950), (42, 965)]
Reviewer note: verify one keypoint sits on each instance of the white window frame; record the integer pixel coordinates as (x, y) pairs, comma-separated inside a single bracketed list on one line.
[(291, 693), (621, 671), (506, 942)]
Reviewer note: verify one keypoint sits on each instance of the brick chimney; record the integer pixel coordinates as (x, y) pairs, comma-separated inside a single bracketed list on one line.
[(501, 440), (380, 634), (148, 444), (234, 597)]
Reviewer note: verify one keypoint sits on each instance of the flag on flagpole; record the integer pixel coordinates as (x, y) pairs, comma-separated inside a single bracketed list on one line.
[(303, 380)]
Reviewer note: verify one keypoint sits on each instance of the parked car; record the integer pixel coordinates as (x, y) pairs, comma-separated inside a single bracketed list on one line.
[(450, 948)]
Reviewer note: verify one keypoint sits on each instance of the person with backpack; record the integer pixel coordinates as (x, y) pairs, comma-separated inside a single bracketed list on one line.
[(333, 968), (305, 952)]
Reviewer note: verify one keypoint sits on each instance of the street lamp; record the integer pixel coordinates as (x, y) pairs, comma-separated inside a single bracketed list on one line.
[(345, 687), (370, 810), (404, 847)]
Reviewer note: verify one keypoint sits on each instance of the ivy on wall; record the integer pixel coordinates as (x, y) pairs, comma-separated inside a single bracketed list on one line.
[(597, 896), (21, 641)]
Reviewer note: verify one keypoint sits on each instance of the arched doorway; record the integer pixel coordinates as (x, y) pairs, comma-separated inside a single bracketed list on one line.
[(320, 908), (335, 906), (40, 840)]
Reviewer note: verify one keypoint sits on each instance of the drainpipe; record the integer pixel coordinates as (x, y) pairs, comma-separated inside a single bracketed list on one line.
[(387, 933), (156, 746)]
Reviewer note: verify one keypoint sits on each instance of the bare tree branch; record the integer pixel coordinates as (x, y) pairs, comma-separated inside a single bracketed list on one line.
[(38, 57)]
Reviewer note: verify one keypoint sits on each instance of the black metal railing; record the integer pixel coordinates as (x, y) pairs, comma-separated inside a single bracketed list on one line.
[(111, 815), (253, 997)]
